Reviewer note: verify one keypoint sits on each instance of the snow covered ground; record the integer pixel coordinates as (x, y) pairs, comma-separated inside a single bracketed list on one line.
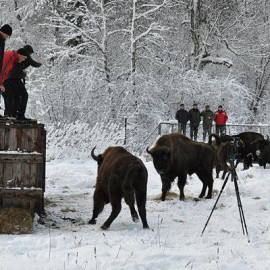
[(66, 241)]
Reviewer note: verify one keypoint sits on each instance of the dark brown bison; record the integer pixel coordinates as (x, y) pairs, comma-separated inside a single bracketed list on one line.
[(175, 155), (223, 150), (120, 175), (246, 149), (263, 151)]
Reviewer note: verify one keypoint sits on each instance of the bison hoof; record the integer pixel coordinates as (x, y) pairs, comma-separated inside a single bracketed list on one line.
[(92, 221), (182, 198), (208, 197), (104, 227), (146, 226), (135, 218), (162, 199)]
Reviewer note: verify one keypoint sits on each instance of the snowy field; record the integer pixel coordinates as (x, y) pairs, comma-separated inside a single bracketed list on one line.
[(66, 241)]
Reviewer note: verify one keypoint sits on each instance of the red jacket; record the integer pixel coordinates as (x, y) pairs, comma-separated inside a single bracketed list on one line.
[(10, 58), (221, 118)]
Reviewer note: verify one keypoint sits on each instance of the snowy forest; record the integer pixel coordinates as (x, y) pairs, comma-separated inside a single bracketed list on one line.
[(105, 61)]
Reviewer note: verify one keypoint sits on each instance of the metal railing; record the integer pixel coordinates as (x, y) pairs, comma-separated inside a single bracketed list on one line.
[(172, 126)]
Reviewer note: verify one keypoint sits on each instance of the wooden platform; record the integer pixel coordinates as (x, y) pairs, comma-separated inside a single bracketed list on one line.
[(22, 165)]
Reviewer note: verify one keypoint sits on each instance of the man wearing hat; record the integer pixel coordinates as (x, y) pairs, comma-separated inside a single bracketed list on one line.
[(5, 32), (221, 118), (9, 60), (15, 83), (195, 119), (208, 116)]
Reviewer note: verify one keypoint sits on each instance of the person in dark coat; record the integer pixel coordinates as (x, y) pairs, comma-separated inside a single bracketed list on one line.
[(15, 84), (9, 60), (182, 118), (208, 116), (195, 119), (5, 32)]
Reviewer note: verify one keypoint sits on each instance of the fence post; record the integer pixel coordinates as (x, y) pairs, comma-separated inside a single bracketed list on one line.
[(125, 131), (159, 129)]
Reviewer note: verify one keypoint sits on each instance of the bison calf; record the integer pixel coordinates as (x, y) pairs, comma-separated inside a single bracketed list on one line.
[(120, 175), (176, 155)]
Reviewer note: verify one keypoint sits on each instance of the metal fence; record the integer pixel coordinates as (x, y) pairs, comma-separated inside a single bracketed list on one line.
[(231, 129)]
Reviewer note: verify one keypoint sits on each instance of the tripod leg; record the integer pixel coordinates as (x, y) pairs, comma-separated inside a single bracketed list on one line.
[(241, 211), (222, 188)]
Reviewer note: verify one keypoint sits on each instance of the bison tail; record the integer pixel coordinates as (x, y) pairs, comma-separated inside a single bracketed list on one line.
[(217, 138)]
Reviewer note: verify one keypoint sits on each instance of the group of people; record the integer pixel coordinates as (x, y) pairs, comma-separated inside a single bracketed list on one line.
[(12, 76), (194, 116)]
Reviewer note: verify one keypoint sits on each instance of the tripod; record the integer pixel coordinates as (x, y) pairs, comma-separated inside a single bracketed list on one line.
[(234, 179)]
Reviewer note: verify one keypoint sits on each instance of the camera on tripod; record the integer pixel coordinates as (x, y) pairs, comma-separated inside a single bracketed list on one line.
[(235, 148)]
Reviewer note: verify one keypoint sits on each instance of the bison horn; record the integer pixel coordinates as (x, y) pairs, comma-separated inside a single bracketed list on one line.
[(267, 137), (148, 151), (93, 154)]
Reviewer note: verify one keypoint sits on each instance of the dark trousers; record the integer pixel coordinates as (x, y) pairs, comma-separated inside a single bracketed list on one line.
[(15, 97), (220, 130), (207, 129), (182, 128), (193, 132)]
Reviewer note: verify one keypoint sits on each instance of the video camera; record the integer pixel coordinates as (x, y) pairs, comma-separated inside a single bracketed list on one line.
[(235, 145)]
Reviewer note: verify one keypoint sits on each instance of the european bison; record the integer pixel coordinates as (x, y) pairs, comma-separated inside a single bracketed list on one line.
[(175, 155), (263, 151), (247, 150), (224, 150), (120, 175)]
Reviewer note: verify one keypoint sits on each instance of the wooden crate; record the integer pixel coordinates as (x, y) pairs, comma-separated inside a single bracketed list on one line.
[(25, 137), (21, 170), (22, 166), (30, 199)]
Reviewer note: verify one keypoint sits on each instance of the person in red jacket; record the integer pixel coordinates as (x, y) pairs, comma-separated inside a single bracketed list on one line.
[(5, 32), (221, 118), (9, 60)]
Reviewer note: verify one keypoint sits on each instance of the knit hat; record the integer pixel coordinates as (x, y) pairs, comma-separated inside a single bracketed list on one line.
[(29, 49), (219, 106), (22, 51), (6, 29)]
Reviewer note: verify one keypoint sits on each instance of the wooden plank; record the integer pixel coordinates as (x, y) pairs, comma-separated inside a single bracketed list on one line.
[(28, 138), (31, 199)]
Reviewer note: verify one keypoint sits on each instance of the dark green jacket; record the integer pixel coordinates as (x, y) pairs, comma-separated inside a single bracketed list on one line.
[(208, 117)]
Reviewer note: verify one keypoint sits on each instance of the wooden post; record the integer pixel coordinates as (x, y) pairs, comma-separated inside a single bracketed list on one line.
[(159, 129), (125, 131)]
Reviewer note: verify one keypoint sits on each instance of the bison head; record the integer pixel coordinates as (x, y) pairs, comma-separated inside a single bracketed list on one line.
[(161, 158), (260, 146), (98, 158)]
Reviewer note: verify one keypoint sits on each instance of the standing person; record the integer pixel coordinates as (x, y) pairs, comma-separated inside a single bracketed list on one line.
[(182, 118), (10, 59), (15, 82), (5, 32), (195, 119), (208, 117), (221, 118)]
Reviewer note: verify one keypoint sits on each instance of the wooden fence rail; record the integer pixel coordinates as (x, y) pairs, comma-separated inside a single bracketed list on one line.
[(172, 126)]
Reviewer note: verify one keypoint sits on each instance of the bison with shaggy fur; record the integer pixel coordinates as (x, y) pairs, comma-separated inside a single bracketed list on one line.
[(263, 151), (175, 155), (247, 149), (223, 151), (120, 175)]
